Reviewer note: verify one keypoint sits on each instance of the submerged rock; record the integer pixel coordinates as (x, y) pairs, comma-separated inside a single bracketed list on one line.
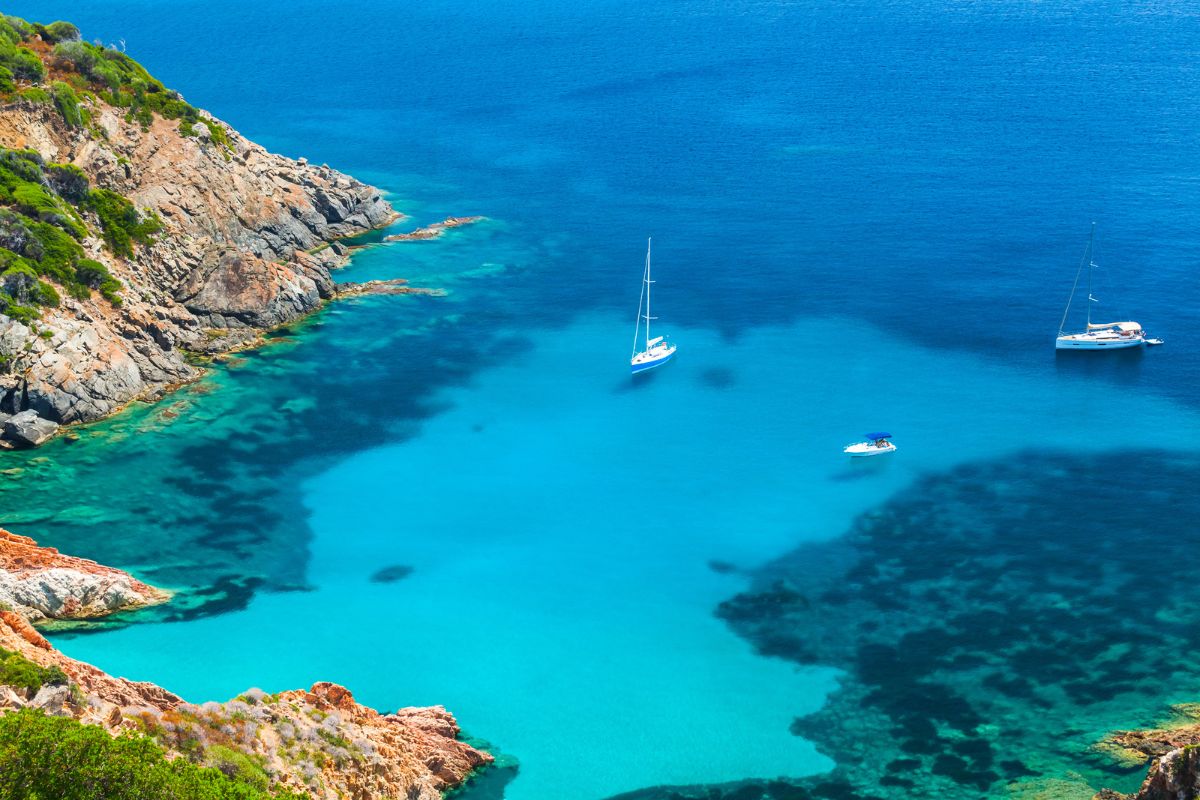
[(27, 429), (392, 574)]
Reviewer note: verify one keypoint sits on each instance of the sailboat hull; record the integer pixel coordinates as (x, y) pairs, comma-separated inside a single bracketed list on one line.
[(1083, 341), (650, 359)]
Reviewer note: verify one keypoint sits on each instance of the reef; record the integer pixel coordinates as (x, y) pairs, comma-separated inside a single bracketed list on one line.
[(990, 626), (197, 238)]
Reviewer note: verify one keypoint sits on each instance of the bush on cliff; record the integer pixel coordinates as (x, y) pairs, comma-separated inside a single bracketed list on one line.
[(121, 222), (24, 63), (42, 219), (20, 672), (67, 103), (95, 275), (45, 757), (59, 32)]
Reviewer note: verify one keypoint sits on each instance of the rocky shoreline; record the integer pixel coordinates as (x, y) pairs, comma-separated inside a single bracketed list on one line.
[(319, 741), (1172, 750), (242, 248)]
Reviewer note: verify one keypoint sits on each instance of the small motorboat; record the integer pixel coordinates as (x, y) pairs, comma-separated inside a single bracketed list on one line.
[(876, 444), (1154, 341)]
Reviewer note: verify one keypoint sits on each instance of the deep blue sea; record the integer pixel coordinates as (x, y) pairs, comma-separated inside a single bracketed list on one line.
[(865, 215)]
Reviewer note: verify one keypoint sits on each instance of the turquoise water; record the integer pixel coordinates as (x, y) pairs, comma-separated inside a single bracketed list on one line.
[(864, 216)]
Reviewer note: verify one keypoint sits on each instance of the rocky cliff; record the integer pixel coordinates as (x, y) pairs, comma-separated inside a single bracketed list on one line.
[(318, 743), (238, 245)]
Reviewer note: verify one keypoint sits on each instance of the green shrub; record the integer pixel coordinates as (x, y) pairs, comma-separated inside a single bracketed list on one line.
[(237, 765), (36, 94), (34, 201), (121, 222), (7, 84), (45, 757), (69, 181), (24, 63), (61, 32), (19, 281), (10, 29), (67, 103), (46, 295), (91, 274), (18, 671), (23, 314)]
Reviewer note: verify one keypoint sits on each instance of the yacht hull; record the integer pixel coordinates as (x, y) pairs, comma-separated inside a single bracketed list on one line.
[(641, 363), (1108, 343)]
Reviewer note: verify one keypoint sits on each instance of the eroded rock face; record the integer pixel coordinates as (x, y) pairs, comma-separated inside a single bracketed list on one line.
[(41, 583), (232, 259)]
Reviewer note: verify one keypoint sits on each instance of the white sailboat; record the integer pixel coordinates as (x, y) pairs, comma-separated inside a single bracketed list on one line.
[(656, 350), (1097, 335)]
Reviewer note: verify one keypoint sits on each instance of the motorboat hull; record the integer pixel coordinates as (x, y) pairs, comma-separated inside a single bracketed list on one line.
[(651, 359), (867, 450)]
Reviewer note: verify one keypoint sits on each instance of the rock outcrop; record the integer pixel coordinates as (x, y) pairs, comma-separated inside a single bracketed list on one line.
[(434, 231), (43, 584), (320, 741), (241, 249), (27, 429), (1173, 752)]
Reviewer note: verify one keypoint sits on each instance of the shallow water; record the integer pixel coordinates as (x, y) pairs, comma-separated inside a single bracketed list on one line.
[(561, 524), (865, 216)]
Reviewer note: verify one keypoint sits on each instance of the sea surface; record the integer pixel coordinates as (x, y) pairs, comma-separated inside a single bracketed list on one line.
[(866, 215)]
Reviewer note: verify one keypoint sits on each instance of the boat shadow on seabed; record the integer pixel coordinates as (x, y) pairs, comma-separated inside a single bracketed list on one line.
[(858, 469), (1121, 366)]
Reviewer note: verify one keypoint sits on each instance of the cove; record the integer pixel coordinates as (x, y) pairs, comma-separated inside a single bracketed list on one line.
[(559, 521)]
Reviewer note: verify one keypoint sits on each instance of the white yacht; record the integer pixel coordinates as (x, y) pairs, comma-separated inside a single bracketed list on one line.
[(1097, 335), (656, 350)]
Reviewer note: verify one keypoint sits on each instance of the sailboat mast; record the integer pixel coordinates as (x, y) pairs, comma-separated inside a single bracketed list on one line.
[(1091, 269), (648, 282)]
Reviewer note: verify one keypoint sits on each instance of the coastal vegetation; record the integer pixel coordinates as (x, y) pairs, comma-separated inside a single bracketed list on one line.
[(43, 757), (45, 211), (32, 54), (21, 673)]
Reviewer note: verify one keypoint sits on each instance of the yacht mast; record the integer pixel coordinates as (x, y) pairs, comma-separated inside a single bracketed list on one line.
[(1085, 261), (1091, 269), (648, 282)]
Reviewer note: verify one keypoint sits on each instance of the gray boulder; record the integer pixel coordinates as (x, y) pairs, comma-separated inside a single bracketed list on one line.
[(27, 429), (51, 699)]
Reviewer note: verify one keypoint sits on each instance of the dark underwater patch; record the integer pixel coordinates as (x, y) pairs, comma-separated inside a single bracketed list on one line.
[(990, 619), (720, 378), (395, 572)]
